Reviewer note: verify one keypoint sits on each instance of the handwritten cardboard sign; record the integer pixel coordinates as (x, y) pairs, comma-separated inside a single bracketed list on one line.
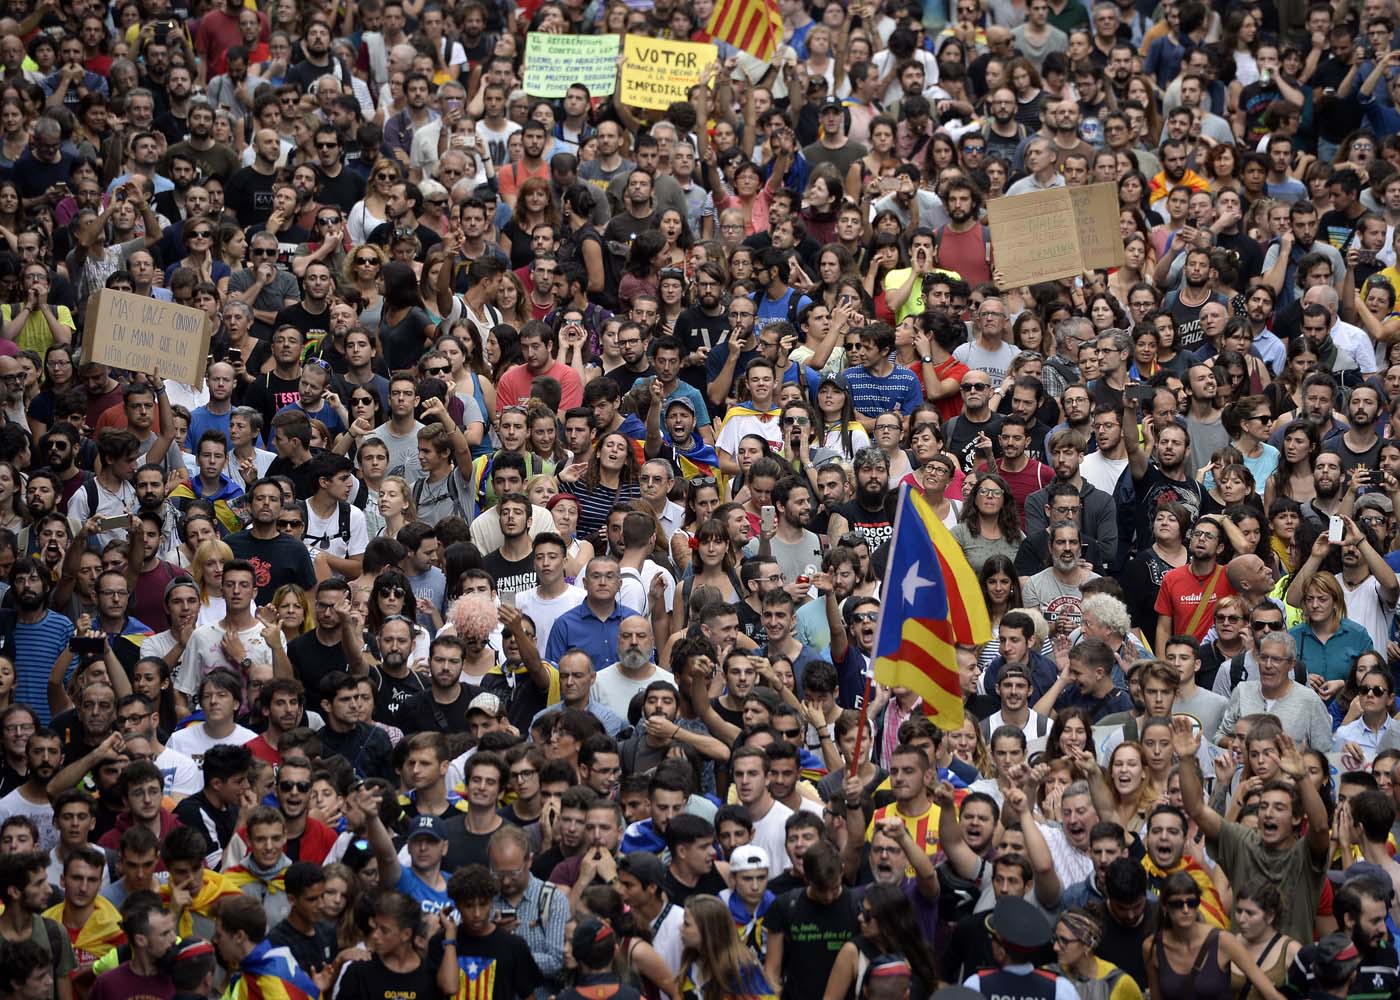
[(1059, 233), (554, 63), (139, 334), (658, 72)]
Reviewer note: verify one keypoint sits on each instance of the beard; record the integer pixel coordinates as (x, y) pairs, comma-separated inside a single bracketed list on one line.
[(27, 601), (395, 660), (633, 659)]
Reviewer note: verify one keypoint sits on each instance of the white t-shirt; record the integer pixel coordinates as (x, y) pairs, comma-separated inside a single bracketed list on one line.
[(41, 813), (323, 533), (1367, 609), (616, 690), (1103, 473), (182, 776), (108, 505), (736, 429), (770, 833), (495, 142), (203, 654), (636, 587), (543, 612), (194, 742), (995, 363)]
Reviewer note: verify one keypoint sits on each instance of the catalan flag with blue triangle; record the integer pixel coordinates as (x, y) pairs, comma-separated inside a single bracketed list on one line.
[(476, 977), (932, 604), (270, 973)]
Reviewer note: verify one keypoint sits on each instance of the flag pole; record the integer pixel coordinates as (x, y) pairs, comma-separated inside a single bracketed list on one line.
[(854, 765)]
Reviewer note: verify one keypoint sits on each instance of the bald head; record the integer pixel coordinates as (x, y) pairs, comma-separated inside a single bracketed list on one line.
[(634, 643), (1250, 576)]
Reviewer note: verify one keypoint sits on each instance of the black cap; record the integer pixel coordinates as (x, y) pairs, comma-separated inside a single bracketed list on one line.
[(837, 379), (831, 104), (1334, 959), (1019, 925)]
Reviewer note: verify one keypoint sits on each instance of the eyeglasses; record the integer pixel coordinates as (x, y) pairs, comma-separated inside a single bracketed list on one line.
[(1267, 626), (1374, 690), (523, 775), (990, 494), (795, 421), (699, 481), (1229, 618), (1064, 941), (297, 786)]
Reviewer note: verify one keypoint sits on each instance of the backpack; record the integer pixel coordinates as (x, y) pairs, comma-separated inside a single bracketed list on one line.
[(342, 530), (794, 301), (452, 493)]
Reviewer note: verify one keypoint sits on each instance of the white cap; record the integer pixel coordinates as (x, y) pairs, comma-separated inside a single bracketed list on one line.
[(748, 858), (486, 702)]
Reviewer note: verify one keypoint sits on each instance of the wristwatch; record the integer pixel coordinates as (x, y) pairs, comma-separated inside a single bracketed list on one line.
[(926, 359), (245, 664)]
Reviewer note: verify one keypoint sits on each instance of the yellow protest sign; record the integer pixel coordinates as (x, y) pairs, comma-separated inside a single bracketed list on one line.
[(139, 334), (658, 72)]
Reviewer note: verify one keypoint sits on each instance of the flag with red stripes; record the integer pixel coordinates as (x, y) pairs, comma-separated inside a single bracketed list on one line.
[(752, 26)]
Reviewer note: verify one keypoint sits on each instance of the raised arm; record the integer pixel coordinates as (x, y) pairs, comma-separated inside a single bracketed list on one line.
[(1187, 743)]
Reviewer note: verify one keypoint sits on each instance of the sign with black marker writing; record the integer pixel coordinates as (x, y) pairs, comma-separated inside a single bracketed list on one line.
[(658, 72), (132, 332)]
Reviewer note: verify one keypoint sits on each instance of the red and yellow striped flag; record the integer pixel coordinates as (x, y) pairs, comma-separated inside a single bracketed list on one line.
[(752, 26)]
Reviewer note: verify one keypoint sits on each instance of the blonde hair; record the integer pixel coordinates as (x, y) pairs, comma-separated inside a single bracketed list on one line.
[(410, 513), (308, 619), (212, 549)]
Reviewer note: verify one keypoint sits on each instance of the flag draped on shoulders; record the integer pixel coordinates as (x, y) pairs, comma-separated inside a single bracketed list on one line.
[(932, 604), (1211, 908), (270, 973), (100, 933), (214, 888)]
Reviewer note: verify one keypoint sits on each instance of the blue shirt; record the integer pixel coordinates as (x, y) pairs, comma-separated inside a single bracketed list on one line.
[(37, 646), (772, 310), (423, 894), (872, 394), (580, 628), (1334, 658)]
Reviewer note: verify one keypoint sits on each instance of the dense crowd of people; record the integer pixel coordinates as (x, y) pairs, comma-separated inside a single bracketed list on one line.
[(494, 619)]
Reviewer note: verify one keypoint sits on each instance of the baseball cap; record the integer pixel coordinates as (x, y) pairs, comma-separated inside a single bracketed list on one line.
[(1334, 959), (748, 858), (485, 702), (427, 826), (837, 379), (831, 104), (680, 401)]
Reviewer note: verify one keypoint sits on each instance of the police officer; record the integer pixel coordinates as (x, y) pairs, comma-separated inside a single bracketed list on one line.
[(1019, 930)]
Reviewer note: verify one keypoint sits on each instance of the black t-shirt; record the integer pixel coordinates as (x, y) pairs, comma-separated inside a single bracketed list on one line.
[(373, 980), (1125, 943), (876, 525), (963, 433), (311, 951), (678, 892), (277, 561), (600, 987), (813, 933), (312, 659), (511, 576), (342, 191), (268, 393), (421, 714), (1189, 335), (383, 234), (1156, 488), (249, 195), (695, 329), (404, 342), (498, 966), (313, 325), (303, 483), (751, 623), (390, 692)]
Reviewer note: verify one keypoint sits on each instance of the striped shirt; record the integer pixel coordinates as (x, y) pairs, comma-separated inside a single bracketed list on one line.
[(595, 503), (37, 646)]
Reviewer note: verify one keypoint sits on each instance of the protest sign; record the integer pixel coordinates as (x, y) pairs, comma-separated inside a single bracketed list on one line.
[(1096, 220), (140, 334), (554, 63), (658, 72), (1057, 233)]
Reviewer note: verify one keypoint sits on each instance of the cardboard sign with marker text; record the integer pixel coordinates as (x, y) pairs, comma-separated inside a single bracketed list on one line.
[(139, 334), (554, 63), (1058, 233)]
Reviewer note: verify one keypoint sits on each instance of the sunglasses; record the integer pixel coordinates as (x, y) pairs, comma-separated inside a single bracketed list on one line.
[(366, 261), (327, 145), (1266, 626), (263, 252), (1372, 689), (299, 786), (392, 591), (431, 372), (976, 386), (865, 616), (1187, 903), (292, 523), (330, 220), (202, 234)]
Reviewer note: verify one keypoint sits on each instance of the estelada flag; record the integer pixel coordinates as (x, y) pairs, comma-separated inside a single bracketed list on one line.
[(752, 26), (932, 603)]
